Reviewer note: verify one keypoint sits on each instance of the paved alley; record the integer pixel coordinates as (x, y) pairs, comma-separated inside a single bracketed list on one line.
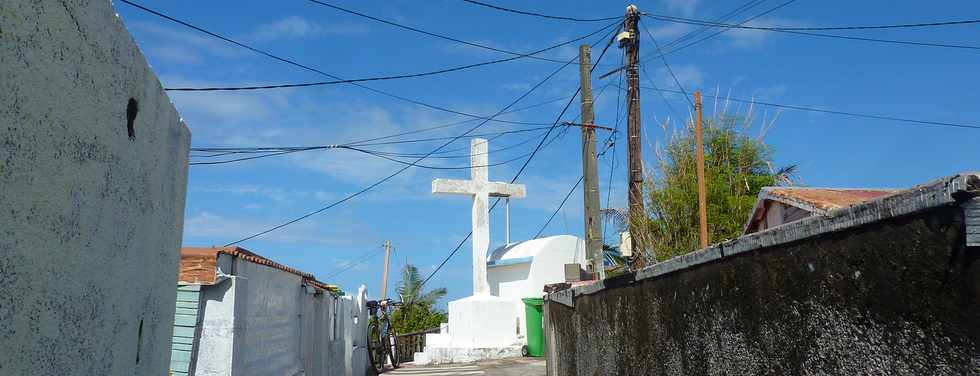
[(504, 367)]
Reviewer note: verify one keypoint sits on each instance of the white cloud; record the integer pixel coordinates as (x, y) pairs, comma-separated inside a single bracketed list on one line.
[(217, 229), (747, 38), (178, 45), (295, 27), (770, 92), (684, 7), (546, 194), (275, 194), (664, 32), (689, 76)]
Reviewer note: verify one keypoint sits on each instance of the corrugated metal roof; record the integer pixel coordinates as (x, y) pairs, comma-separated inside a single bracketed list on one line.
[(200, 266)]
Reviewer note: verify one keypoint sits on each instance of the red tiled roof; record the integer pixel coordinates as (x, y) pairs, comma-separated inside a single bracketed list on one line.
[(199, 266)]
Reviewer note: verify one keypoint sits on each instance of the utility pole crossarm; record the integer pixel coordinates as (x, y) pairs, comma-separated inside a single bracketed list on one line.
[(587, 125)]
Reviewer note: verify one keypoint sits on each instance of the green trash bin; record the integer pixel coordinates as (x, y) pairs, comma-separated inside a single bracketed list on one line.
[(534, 309)]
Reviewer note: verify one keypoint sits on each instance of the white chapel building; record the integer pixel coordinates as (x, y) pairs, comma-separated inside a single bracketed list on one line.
[(490, 324), (521, 270)]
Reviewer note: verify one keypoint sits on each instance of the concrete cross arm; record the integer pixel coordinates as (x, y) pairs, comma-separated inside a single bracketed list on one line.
[(471, 187), (507, 190)]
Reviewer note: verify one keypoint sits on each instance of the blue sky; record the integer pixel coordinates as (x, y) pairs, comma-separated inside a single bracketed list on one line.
[(227, 202)]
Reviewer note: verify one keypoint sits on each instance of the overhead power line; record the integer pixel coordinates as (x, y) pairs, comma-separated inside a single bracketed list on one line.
[(827, 111), (719, 32), (403, 169), (664, 59), (612, 160), (522, 169), (352, 264), (312, 69), (527, 13), (693, 21), (609, 143), (723, 18), (429, 33), (393, 77), (797, 31), (270, 151), (562, 204)]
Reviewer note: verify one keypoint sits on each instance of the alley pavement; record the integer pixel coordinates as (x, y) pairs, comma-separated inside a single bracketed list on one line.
[(503, 367)]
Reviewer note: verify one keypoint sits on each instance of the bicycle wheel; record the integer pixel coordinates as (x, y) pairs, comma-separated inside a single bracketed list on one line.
[(392, 342), (376, 348)]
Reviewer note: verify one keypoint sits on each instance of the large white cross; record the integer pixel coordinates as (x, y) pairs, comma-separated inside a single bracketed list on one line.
[(481, 189)]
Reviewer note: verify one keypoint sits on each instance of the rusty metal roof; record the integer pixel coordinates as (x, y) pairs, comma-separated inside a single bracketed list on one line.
[(200, 266), (824, 198), (819, 201)]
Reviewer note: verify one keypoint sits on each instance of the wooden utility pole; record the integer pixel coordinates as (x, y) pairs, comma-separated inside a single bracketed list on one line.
[(590, 194), (631, 41), (702, 194), (384, 278)]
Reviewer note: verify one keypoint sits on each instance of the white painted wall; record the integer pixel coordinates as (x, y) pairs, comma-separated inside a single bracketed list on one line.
[(525, 280), (264, 321), (90, 219)]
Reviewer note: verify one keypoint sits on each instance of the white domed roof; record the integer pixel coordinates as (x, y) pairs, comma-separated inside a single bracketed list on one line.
[(530, 248)]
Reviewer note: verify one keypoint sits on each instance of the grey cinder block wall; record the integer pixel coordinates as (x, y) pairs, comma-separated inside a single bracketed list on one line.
[(93, 171), (887, 287)]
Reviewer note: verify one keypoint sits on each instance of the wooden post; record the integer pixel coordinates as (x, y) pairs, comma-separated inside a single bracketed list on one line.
[(590, 189), (384, 278), (633, 132), (702, 194)]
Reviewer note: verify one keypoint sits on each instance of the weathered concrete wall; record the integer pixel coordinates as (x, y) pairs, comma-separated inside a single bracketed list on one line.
[(91, 201), (264, 321), (897, 296)]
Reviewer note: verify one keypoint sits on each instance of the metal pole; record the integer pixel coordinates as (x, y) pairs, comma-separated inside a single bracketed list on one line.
[(702, 191), (507, 221), (590, 189), (635, 149), (384, 278)]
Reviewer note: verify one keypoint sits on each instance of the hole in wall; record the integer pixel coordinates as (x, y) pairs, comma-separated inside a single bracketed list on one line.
[(132, 108), (139, 342)]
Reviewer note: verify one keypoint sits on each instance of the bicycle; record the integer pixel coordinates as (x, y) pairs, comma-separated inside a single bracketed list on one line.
[(381, 335)]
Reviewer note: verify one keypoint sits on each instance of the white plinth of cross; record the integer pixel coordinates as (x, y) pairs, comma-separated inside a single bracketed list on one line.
[(481, 189)]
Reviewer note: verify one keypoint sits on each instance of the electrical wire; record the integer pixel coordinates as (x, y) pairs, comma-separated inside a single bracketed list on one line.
[(661, 93), (798, 31), (612, 168), (364, 258), (570, 191), (403, 169), (312, 69), (664, 59), (508, 147), (275, 151), (770, 10), (431, 34), (457, 123), (724, 18), (385, 78), (527, 13), (562, 204), (519, 172), (693, 21), (270, 151), (827, 111)]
